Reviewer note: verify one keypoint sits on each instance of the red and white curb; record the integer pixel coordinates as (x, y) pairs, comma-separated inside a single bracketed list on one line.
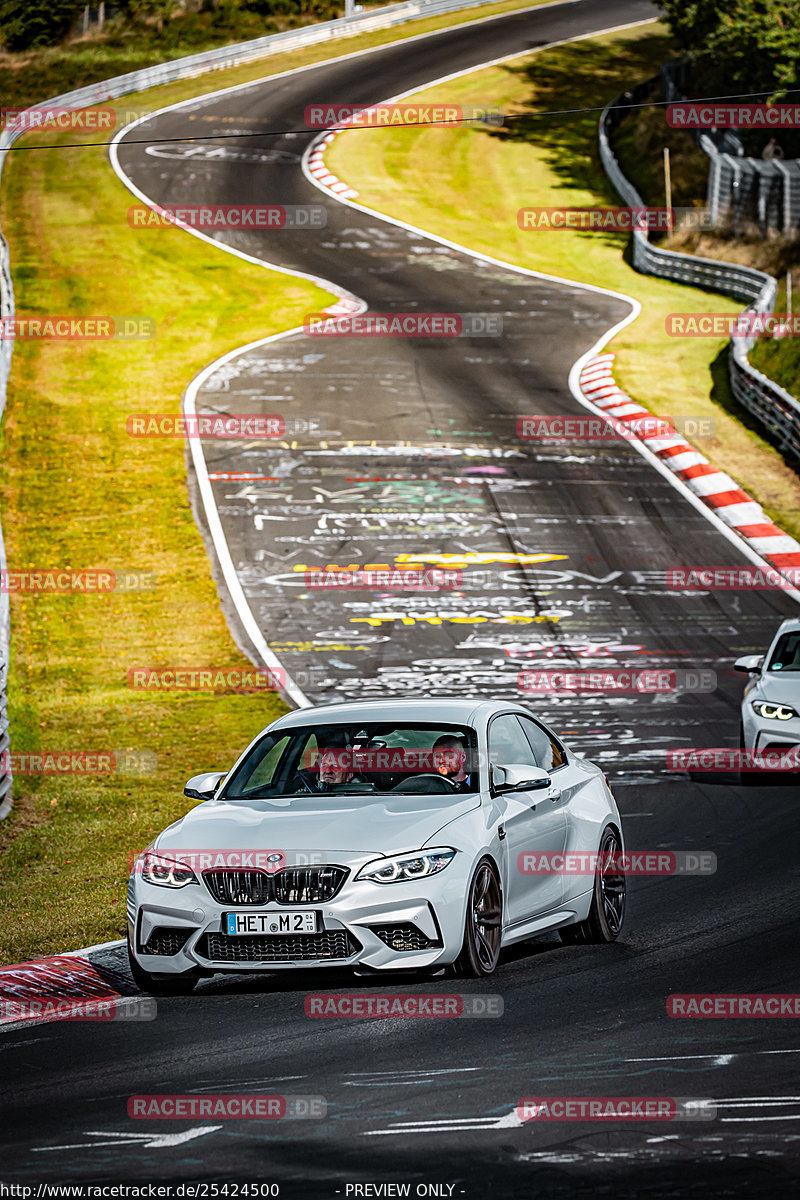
[(59, 977), (324, 177), (718, 491), (345, 307)]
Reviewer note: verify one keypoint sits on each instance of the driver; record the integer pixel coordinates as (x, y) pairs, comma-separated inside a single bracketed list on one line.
[(450, 760), (336, 774)]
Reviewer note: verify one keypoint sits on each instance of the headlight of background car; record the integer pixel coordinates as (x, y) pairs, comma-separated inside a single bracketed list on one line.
[(778, 712), (165, 872), (402, 867)]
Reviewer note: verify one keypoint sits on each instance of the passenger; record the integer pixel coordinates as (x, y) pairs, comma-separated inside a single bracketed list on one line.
[(450, 760)]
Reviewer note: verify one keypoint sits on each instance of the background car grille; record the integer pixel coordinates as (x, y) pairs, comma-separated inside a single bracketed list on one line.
[(332, 945), (403, 937), (294, 885), (238, 887), (166, 940)]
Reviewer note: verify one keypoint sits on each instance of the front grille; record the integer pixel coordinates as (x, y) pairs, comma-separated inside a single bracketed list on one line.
[(293, 885), (308, 885), (166, 940), (238, 887), (218, 947), (403, 937)]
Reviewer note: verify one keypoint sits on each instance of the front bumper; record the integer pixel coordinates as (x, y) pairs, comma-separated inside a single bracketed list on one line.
[(383, 927)]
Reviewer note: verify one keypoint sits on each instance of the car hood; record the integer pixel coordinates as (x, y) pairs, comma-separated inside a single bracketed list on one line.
[(778, 689), (357, 823)]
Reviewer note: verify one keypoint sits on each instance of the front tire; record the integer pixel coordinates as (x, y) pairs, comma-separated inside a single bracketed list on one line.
[(483, 926), (161, 985), (607, 911)]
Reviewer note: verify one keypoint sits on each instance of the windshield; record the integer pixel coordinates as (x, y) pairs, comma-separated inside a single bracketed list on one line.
[(415, 758), (786, 655)]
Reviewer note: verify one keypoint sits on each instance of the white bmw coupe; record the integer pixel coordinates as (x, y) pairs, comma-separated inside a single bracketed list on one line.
[(379, 836)]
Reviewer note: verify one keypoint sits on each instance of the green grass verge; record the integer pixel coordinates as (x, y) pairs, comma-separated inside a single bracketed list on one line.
[(483, 177), (32, 75), (78, 492)]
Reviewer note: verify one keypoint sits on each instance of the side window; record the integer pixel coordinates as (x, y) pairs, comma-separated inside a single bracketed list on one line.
[(508, 744), (308, 760), (265, 769), (787, 654), (549, 754)]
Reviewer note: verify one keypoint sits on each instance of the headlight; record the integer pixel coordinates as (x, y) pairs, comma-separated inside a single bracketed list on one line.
[(402, 867), (777, 712), (165, 871)]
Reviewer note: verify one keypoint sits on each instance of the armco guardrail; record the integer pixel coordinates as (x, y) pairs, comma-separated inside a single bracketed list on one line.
[(774, 407), (136, 81)]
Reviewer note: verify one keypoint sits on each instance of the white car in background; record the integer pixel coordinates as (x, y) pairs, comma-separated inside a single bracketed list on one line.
[(771, 702), (378, 835)]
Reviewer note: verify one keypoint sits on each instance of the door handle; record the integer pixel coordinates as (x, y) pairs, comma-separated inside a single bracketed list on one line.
[(555, 795)]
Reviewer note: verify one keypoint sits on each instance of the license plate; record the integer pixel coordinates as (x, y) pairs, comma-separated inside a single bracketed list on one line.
[(240, 923)]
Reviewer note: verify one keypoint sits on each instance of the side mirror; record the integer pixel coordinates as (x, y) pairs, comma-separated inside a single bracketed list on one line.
[(518, 778), (202, 787), (751, 663)]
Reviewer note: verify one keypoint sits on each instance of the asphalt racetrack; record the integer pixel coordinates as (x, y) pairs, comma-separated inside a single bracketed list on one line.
[(420, 459)]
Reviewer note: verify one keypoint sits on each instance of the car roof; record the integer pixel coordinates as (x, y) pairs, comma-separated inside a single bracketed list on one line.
[(449, 710), (790, 625)]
